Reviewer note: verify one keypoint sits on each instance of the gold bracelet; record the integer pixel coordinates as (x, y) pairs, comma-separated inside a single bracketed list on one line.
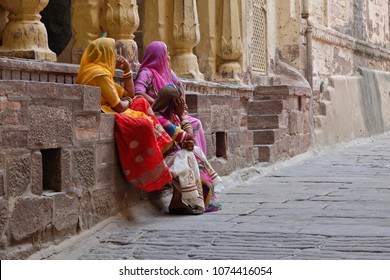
[(127, 75)]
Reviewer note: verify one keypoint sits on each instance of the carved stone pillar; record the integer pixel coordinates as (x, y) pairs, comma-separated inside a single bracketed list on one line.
[(3, 19), (185, 37), (230, 50), (120, 19), (207, 47), (85, 24), (25, 35)]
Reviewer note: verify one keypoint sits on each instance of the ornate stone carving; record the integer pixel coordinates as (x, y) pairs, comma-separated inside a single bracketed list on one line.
[(25, 35), (230, 51), (120, 19), (185, 37)]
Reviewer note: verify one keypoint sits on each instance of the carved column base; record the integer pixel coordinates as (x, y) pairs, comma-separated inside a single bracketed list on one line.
[(29, 54), (26, 40), (229, 72), (129, 49), (186, 66)]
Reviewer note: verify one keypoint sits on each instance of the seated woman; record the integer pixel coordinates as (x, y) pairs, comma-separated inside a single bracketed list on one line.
[(139, 136), (193, 177), (153, 74)]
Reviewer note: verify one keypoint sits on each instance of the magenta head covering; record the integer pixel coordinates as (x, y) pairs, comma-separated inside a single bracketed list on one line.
[(156, 60)]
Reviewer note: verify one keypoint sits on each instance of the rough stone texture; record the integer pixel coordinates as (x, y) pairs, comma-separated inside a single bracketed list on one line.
[(66, 212), (86, 128), (49, 126), (91, 99), (87, 219), (103, 204), (107, 125), (30, 216), (19, 174), (66, 172), (84, 168), (36, 170), (4, 213)]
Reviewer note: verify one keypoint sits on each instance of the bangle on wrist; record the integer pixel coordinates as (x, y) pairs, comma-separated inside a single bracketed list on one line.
[(127, 74)]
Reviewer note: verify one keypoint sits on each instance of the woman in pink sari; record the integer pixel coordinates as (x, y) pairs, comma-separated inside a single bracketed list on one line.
[(153, 74)]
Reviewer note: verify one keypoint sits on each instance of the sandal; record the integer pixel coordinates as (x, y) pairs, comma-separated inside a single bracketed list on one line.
[(185, 211)]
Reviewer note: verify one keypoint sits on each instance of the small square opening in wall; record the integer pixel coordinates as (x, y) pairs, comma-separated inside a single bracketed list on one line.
[(51, 169), (220, 144)]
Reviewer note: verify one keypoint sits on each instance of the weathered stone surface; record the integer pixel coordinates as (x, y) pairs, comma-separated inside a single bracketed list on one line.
[(107, 126), (50, 126), (221, 117), (86, 127), (103, 203), (87, 218), (66, 170), (36, 170), (4, 214), (29, 216), (105, 175), (106, 153), (19, 175), (9, 88), (91, 98), (84, 168), (13, 139), (66, 212)]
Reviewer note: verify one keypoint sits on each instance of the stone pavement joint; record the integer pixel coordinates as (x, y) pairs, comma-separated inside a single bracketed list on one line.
[(332, 204)]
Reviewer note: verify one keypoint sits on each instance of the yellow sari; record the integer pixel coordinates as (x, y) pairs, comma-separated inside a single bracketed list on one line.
[(97, 68), (138, 135)]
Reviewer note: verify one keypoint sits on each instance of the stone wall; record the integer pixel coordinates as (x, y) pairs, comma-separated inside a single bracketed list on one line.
[(59, 171), (353, 107)]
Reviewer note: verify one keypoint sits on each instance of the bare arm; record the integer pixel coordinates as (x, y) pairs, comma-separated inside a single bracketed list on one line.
[(124, 64)]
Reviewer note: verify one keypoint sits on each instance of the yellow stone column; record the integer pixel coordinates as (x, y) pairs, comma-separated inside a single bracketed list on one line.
[(3, 20), (230, 51), (120, 19), (85, 24), (156, 21), (207, 47), (24, 35), (185, 36)]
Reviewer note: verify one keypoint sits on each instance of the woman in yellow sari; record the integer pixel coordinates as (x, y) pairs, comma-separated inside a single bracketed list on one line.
[(138, 135)]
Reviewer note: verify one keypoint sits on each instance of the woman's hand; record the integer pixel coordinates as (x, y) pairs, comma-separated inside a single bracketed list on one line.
[(189, 145), (122, 63), (179, 107), (128, 98)]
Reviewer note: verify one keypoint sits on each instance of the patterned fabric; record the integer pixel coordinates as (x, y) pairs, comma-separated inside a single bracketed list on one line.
[(139, 153), (139, 136), (154, 73), (193, 175)]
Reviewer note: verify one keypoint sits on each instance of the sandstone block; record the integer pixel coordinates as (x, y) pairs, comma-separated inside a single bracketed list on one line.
[(49, 126), (66, 212), (30, 216), (19, 175)]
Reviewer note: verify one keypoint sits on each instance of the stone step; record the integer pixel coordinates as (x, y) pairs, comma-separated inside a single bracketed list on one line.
[(268, 136), (264, 122), (265, 107), (266, 153), (279, 92)]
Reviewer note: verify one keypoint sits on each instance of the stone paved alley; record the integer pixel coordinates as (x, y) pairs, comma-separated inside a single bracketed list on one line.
[(333, 205)]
